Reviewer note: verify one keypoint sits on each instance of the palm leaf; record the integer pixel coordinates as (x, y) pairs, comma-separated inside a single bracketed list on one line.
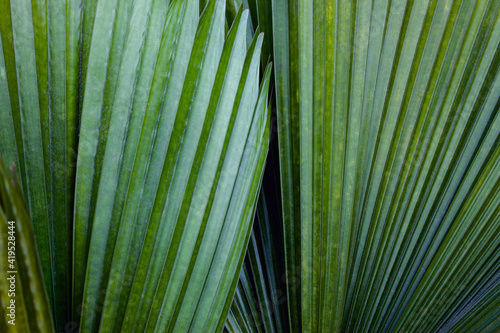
[(40, 46), (388, 131), (173, 137), (24, 300), (260, 302), (389, 152), (175, 183)]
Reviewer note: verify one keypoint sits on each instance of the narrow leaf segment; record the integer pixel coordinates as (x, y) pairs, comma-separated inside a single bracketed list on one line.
[(388, 115)]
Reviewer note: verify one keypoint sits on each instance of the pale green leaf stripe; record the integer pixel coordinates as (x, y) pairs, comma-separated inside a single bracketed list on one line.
[(48, 20), (228, 83), (165, 103), (146, 185), (36, 185), (147, 167), (95, 283), (305, 104), (88, 140), (41, 47), (328, 164), (396, 178), (190, 116), (234, 103), (88, 20), (144, 288), (181, 243), (211, 33), (40, 34), (344, 137), (222, 98), (101, 242), (230, 218), (157, 20), (194, 100), (234, 265), (60, 235), (141, 93), (112, 50), (120, 29)]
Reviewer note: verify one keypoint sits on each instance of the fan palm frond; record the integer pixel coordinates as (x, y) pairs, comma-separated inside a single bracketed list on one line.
[(172, 141), (388, 129), (24, 300)]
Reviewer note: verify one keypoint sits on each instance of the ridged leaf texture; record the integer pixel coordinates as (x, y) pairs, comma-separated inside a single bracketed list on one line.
[(23, 297), (141, 130), (389, 129)]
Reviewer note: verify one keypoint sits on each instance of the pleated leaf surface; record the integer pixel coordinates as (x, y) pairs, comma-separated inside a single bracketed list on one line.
[(39, 78), (174, 135), (388, 123), (23, 297)]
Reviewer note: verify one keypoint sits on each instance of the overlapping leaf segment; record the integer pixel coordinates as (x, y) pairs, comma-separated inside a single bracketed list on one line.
[(389, 130), (260, 302), (24, 301), (172, 140)]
